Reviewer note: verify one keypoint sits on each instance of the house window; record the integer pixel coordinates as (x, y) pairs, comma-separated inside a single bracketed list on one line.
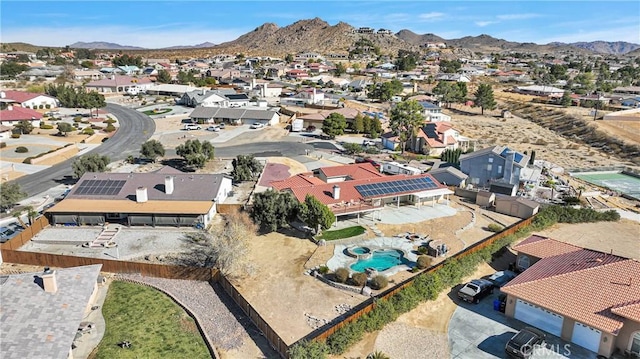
[(490, 159), (499, 169), (489, 167), (635, 343)]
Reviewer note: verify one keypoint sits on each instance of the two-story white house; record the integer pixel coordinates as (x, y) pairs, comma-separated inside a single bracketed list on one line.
[(433, 113)]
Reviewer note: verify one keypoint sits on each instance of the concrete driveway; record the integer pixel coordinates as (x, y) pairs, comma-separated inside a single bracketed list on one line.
[(477, 331)]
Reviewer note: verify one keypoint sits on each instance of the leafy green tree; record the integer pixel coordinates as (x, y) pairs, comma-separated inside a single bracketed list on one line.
[(89, 163), (245, 168), (25, 127), (405, 120), (152, 149), (386, 90), (565, 101), (85, 54), (586, 81), (10, 194), (64, 128), (334, 125), (450, 66), (309, 350), (273, 210), (87, 64), (484, 98), (340, 69), (358, 123), (11, 69), (407, 60), (462, 92), (448, 91), (196, 153), (127, 60), (92, 100), (164, 76), (352, 148), (375, 128), (451, 156), (288, 58), (316, 214)]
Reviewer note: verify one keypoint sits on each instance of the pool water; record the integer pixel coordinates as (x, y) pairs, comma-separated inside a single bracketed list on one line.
[(360, 250), (380, 260)]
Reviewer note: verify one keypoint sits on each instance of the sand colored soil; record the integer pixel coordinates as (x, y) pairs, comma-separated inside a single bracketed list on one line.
[(628, 131), (621, 238)]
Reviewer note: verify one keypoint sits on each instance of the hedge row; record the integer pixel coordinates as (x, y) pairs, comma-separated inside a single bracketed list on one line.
[(28, 159), (429, 285)]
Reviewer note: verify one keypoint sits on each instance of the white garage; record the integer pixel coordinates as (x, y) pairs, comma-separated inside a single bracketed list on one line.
[(586, 336), (539, 317)]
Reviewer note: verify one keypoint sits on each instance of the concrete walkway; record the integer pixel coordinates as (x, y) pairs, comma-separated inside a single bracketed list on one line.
[(86, 343)]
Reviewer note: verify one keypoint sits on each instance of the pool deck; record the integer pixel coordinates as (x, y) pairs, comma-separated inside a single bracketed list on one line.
[(400, 215), (340, 259)]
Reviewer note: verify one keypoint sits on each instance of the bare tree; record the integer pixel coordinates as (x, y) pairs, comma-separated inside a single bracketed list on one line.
[(230, 244)]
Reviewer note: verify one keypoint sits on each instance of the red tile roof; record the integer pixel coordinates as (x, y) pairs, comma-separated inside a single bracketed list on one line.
[(594, 288), (22, 96), (299, 180), (19, 113), (543, 247), (355, 171)]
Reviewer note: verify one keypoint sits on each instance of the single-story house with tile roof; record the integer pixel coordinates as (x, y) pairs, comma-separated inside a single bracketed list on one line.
[(41, 312), (14, 114), (119, 84), (316, 119), (450, 176), (236, 116), (30, 99), (589, 298), (360, 189), (166, 197)]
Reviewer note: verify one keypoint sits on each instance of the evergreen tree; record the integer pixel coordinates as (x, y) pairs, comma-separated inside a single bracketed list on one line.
[(484, 98)]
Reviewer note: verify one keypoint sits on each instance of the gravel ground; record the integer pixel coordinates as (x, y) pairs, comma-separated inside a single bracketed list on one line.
[(220, 324), (399, 340)]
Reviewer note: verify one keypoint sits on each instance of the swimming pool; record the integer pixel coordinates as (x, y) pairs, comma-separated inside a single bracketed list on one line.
[(360, 250), (381, 260)]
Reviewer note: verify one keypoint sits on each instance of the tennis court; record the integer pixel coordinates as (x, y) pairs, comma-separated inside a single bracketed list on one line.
[(615, 181)]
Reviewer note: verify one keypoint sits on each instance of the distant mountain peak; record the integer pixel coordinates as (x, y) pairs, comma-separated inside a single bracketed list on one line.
[(103, 45)]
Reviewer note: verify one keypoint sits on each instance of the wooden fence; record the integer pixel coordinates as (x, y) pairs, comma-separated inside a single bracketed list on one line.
[(26, 235), (111, 265), (368, 305), (272, 337), (229, 207)]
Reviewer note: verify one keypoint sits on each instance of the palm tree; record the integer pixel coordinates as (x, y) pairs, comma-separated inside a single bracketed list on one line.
[(378, 355)]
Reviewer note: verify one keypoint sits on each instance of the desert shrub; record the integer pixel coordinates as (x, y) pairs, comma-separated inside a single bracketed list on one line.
[(423, 249), (323, 270), (541, 142), (110, 128), (3, 144), (342, 274), (27, 160), (21, 149), (77, 119), (109, 120), (493, 227), (88, 131), (379, 282), (309, 350), (46, 127), (423, 262), (359, 279), (15, 135), (345, 337), (96, 127)]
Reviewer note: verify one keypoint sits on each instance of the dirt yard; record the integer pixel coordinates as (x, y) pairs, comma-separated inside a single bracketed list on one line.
[(621, 238)]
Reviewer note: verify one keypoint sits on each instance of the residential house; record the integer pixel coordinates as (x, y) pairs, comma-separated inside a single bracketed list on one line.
[(589, 298), (129, 70), (308, 56), (238, 99), (203, 97), (223, 75), (120, 84), (87, 75), (297, 74), (308, 96), (496, 163), (359, 85), (266, 89), (42, 311), (450, 176), (171, 89), (631, 102), (627, 90), (276, 71), (384, 32), (46, 72), (236, 116), (453, 77), (317, 119), (435, 137), (471, 71), (317, 67), (330, 80), (360, 189), (14, 114), (166, 197), (30, 99), (433, 112), (364, 30), (537, 90)]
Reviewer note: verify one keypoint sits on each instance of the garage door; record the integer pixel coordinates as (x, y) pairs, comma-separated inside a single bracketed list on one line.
[(539, 317), (586, 337)]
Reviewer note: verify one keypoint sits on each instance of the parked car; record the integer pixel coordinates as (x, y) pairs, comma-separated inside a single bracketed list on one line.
[(524, 343), (213, 128), (220, 125), (6, 234), (368, 143), (501, 278), (257, 125), (475, 290), (191, 126)]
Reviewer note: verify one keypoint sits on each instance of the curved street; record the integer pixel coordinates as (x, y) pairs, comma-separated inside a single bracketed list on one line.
[(135, 129)]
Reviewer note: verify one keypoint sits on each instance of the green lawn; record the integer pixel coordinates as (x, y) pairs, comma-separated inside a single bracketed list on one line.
[(158, 112), (154, 324), (342, 233)]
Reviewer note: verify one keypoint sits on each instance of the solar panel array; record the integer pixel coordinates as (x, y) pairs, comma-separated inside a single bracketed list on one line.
[(517, 156), (100, 187), (392, 187)]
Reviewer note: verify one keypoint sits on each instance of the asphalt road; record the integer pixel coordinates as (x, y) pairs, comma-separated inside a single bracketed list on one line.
[(135, 129), (266, 149)]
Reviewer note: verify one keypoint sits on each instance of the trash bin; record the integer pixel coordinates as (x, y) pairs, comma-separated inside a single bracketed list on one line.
[(496, 304)]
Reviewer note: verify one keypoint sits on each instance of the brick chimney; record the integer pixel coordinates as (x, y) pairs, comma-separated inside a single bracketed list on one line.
[(49, 281)]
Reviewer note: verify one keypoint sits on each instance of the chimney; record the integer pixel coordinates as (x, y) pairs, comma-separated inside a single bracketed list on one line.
[(313, 99), (168, 185), (336, 192), (49, 281), (203, 91), (141, 194), (3, 94)]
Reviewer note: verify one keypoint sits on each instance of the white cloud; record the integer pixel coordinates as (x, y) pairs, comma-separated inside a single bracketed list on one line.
[(431, 15), (517, 16), (148, 36), (485, 23), (627, 33)]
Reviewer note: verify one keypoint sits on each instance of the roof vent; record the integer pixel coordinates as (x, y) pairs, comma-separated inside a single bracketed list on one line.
[(168, 184)]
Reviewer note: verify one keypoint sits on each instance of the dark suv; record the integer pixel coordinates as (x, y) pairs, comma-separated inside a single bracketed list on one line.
[(524, 342), (475, 290)]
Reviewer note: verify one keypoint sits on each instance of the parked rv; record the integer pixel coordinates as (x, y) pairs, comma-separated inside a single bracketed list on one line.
[(396, 168)]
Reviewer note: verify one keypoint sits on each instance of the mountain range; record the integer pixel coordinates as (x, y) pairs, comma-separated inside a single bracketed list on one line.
[(317, 35)]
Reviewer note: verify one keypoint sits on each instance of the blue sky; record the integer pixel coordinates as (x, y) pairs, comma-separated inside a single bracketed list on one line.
[(155, 24)]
